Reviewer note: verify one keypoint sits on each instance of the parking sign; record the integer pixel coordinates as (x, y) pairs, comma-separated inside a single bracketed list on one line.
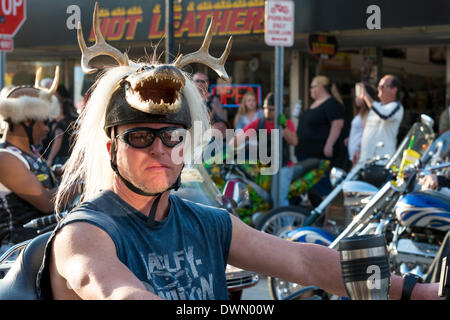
[(279, 23)]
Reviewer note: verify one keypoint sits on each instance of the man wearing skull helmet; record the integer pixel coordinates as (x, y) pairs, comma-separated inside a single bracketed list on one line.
[(132, 239)]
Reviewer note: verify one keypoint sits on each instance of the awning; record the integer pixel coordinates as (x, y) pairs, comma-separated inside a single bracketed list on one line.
[(48, 22)]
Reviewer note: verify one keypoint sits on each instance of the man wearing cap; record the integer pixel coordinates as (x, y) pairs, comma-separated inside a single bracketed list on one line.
[(27, 184)]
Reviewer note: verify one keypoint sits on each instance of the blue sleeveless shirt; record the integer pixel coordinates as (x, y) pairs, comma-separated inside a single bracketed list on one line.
[(182, 257)]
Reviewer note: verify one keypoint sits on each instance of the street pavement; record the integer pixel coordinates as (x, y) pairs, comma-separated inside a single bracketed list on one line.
[(258, 292)]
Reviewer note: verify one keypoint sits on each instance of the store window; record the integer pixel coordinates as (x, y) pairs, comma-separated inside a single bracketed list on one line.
[(24, 72)]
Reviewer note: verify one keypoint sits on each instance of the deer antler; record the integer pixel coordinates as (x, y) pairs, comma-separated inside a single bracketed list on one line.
[(202, 55), (99, 48)]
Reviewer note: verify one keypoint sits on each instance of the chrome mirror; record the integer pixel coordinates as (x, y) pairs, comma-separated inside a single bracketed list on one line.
[(425, 119), (336, 176), (237, 191)]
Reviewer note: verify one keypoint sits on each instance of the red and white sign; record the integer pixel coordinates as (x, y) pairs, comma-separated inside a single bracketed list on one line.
[(6, 44), (279, 23), (12, 16)]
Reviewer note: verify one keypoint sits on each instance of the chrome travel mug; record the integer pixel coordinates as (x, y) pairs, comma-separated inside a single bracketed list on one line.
[(365, 267)]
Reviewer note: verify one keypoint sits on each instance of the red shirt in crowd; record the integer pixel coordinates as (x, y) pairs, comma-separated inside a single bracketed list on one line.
[(269, 125)]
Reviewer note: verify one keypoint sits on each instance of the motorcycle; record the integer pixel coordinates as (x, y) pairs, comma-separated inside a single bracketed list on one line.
[(423, 216), (371, 172), (251, 189), (376, 213), (365, 179)]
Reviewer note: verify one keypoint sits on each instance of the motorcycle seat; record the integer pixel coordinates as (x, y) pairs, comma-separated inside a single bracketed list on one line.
[(20, 281)]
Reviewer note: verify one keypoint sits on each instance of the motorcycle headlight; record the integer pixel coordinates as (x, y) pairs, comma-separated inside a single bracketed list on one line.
[(336, 176)]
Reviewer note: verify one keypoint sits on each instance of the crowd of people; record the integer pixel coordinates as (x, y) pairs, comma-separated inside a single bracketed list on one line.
[(118, 238), (320, 130), (319, 133)]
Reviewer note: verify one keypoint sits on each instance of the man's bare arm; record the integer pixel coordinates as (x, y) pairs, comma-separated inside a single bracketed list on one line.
[(15, 176), (303, 263), (290, 137), (85, 258), (306, 264), (365, 96), (335, 131)]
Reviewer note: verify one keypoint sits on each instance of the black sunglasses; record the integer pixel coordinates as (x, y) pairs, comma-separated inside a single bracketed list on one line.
[(143, 137)]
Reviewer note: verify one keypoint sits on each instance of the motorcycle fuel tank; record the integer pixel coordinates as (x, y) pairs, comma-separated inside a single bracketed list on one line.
[(426, 209), (311, 235)]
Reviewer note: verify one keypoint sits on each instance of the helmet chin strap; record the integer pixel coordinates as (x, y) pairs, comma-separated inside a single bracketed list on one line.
[(132, 187), (29, 131)]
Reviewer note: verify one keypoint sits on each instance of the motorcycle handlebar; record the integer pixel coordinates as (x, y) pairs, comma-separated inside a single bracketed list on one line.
[(45, 221), (436, 167)]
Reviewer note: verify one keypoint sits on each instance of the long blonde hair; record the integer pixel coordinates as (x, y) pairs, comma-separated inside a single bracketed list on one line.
[(243, 106), (89, 162), (329, 87)]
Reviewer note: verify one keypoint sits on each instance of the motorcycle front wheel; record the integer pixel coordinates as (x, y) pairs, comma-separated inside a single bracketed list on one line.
[(281, 220)]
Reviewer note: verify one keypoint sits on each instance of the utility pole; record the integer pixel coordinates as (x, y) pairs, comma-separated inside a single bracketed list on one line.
[(169, 31), (276, 11)]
